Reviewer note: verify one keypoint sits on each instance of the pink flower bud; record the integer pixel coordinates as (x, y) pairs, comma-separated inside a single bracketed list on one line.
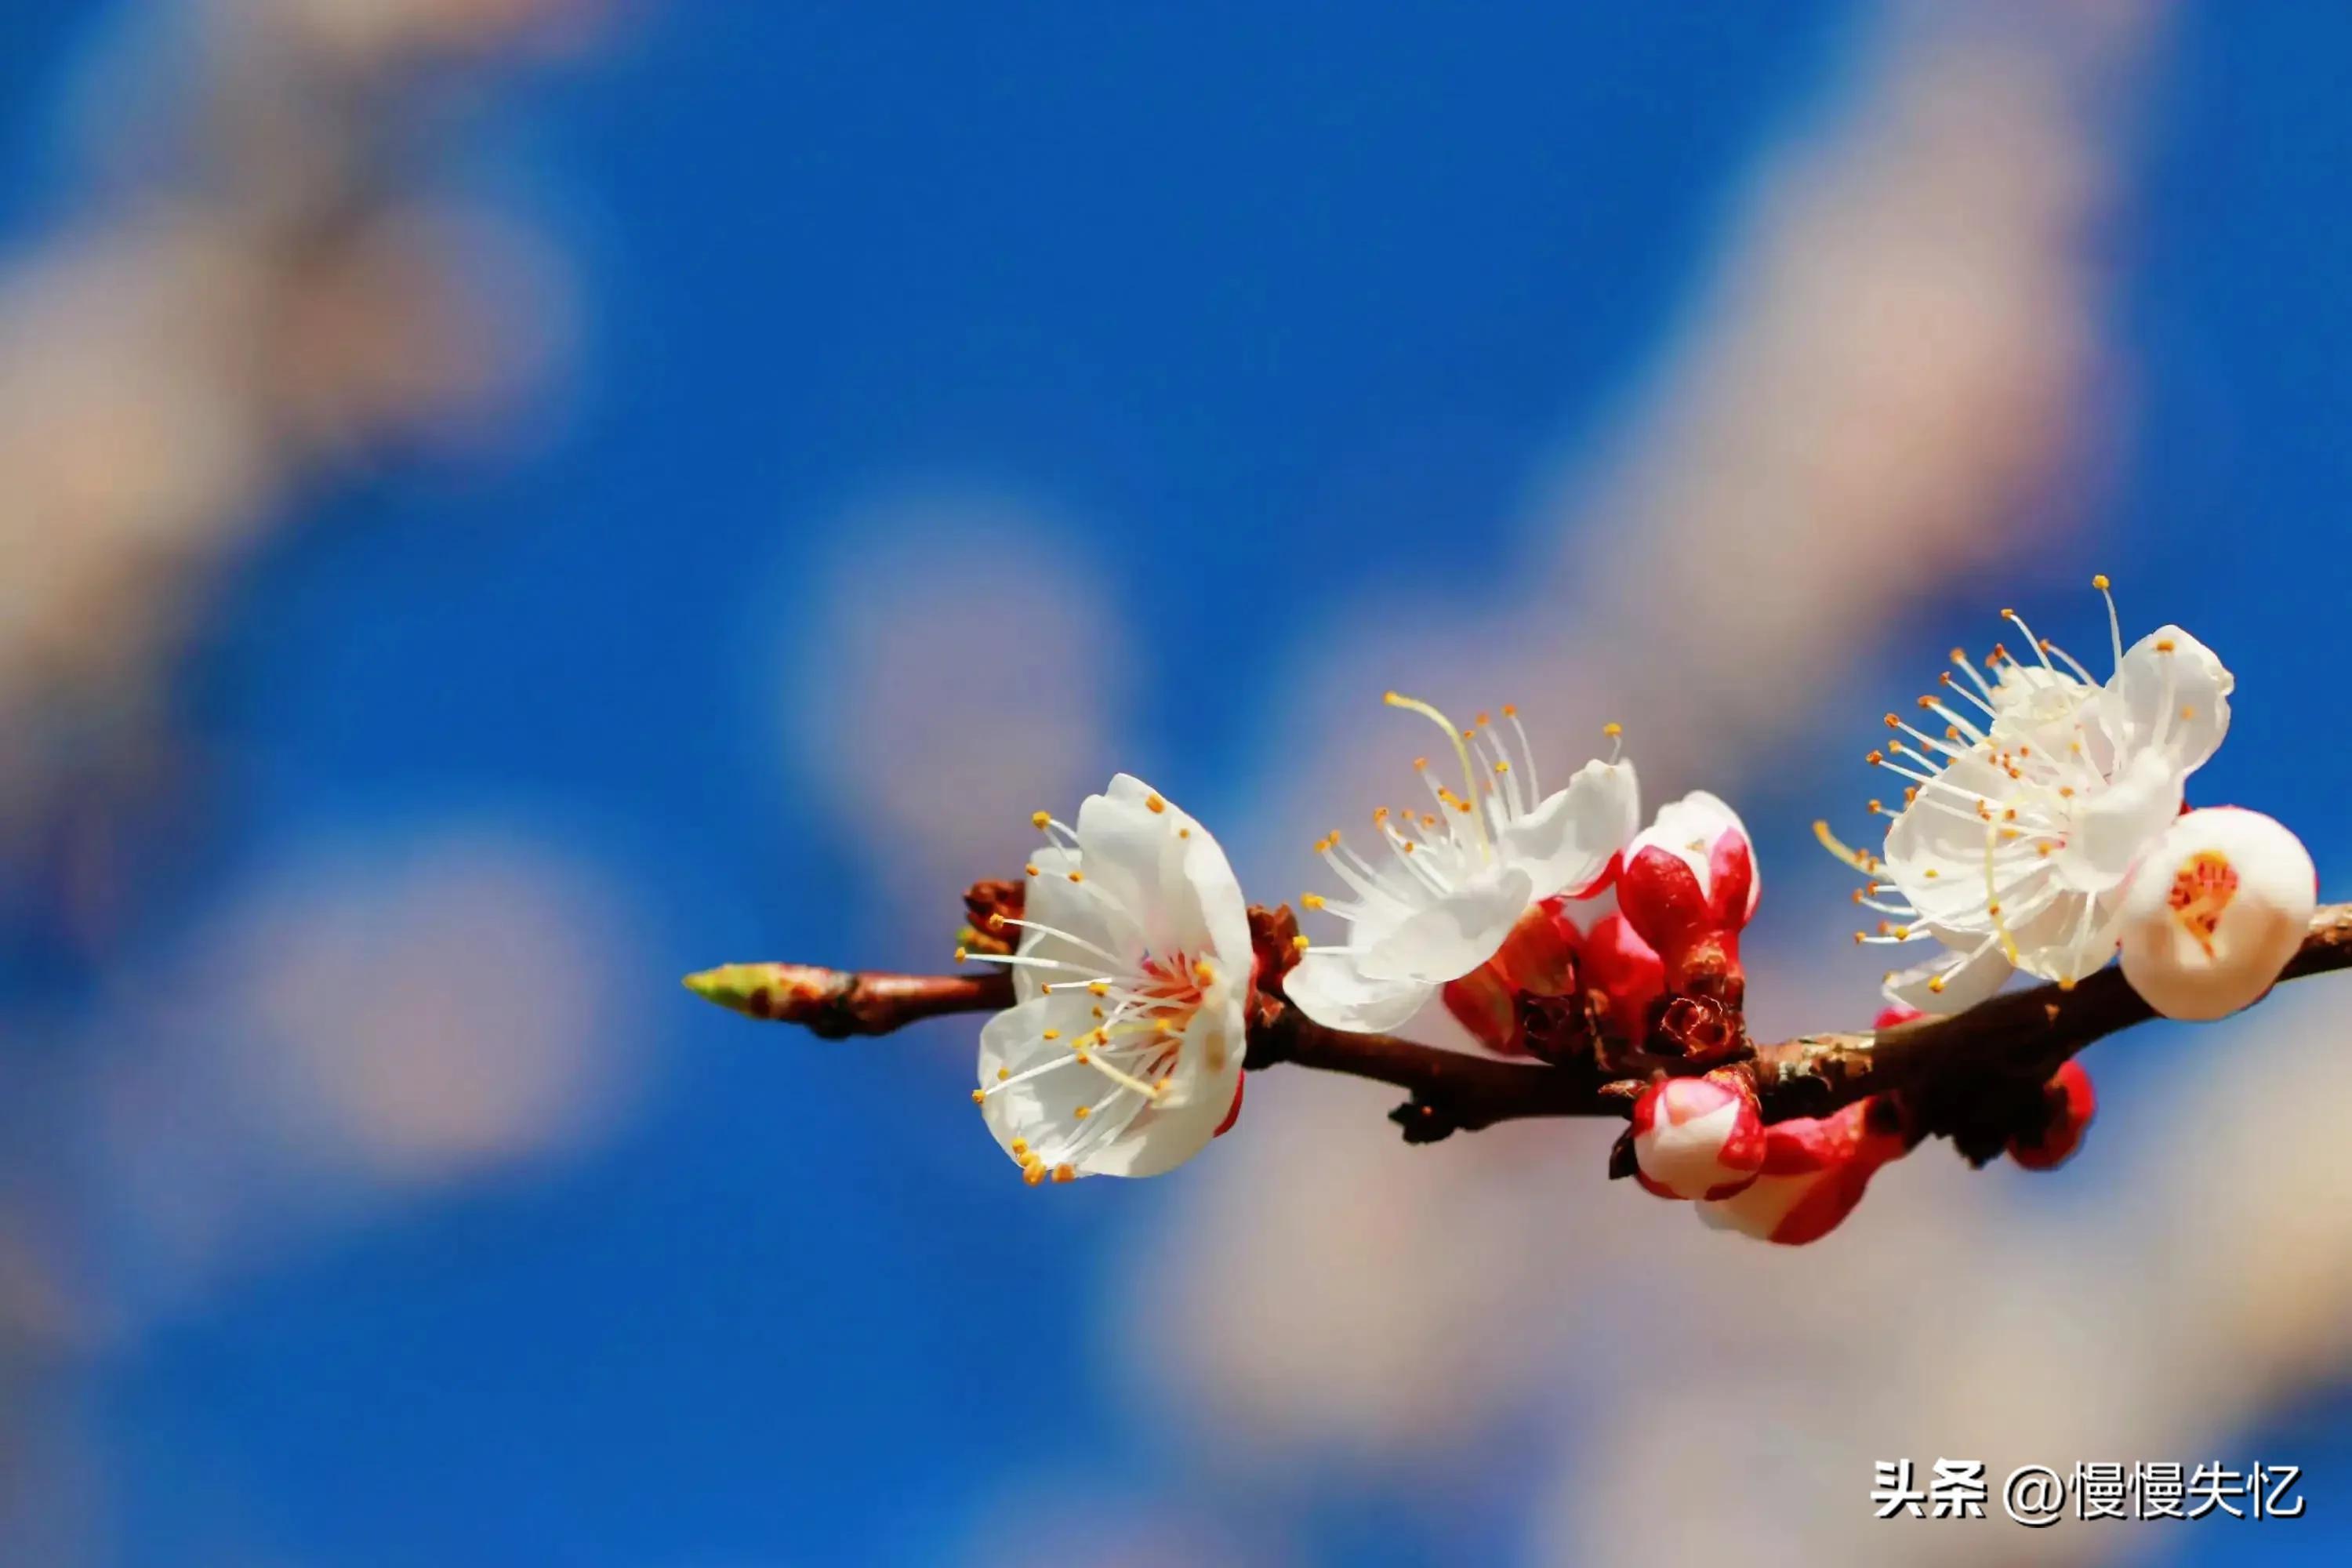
[(2214, 910), (1697, 1137), (1814, 1173), (1688, 887), (1626, 973), (2068, 1105), (1896, 1018)]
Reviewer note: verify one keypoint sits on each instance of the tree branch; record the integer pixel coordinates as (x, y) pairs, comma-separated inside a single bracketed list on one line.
[(1972, 1076)]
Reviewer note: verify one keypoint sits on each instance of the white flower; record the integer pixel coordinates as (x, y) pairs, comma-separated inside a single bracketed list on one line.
[(2215, 911), (1124, 1052), (2025, 816), (1457, 878)]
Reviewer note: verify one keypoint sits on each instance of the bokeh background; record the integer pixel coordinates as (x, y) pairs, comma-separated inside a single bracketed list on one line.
[(505, 501)]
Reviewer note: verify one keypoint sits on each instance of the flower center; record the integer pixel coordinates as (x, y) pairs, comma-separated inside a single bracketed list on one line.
[(2201, 890)]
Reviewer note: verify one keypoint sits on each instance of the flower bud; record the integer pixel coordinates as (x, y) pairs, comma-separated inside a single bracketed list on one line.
[(1814, 1173), (2214, 910), (1688, 887), (2068, 1106), (1625, 974), (1896, 1016), (1697, 1137)]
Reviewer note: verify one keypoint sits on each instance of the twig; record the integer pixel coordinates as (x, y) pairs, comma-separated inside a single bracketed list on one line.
[(1965, 1077)]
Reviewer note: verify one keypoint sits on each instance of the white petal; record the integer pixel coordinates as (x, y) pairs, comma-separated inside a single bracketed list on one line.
[(2073, 937), (2173, 694), (1121, 840), (2113, 827), (1452, 935), (1170, 1131), (1330, 988), (1043, 1110), (1081, 910), (1564, 842)]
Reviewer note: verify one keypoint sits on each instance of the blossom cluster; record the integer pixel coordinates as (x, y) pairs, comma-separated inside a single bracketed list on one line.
[(2042, 829)]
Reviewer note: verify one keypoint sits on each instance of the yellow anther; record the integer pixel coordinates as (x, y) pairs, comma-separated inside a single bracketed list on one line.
[(980, 1097), (2100, 582), (1153, 803), (962, 954), (2164, 644), (1485, 720), (1860, 937), (1038, 819), (1077, 876), (1083, 1111), (1301, 942), (1311, 900), (1936, 983), (1085, 1060), (1020, 1147), (1876, 808), (1931, 871), (1098, 988), (1030, 867), (1506, 767), (1183, 833), (1420, 764), (1161, 1087), (1612, 730), (1002, 1074), (2187, 712), (1876, 758), (1033, 1174), (1510, 710), (1162, 1026), (1065, 1174)]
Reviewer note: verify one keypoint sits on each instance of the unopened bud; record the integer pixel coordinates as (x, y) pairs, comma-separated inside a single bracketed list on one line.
[(1813, 1175), (1688, 888), (1697, 1137), (2214, 911), (1625, 976), (2068, 1106)]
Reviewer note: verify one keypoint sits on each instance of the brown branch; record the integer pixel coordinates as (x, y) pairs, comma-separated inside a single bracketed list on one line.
[(1972, 1076)]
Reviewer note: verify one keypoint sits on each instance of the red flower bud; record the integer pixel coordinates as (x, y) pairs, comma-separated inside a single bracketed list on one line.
[(1896, 1018), (1688, 887), (1697, 1137), (1625, 973), (1484, 1002), (2068, 1105), (1814, 1173)]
